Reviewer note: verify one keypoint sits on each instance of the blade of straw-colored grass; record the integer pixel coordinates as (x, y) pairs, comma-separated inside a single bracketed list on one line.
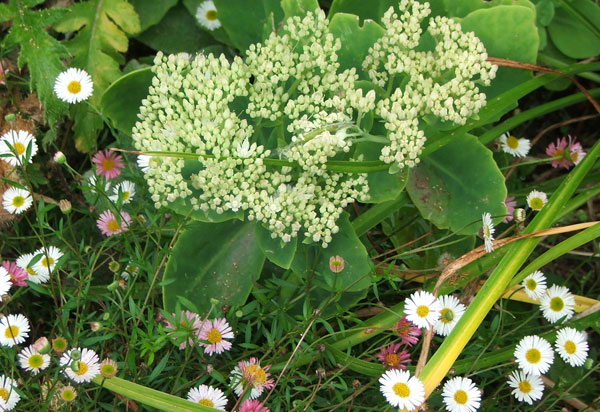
[(443, 359)]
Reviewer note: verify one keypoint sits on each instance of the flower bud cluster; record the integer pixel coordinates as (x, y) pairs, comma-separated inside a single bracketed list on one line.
[(440, 81)]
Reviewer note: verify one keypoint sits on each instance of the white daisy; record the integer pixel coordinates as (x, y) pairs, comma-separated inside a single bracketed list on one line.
[(206, 14), (451, 311), (536, 200), (83, 369), (16, 200), (73, 85), (401, 390), (572, 346), (423, 309), (130, 270), (20, 141), (488, 232), (8, 395), (23, 261), (48, 261), (557, 303), (527, 387), (244, 149), (126, 189), (461, 395), (33, 361), (208, 396), (534, 355), (516, 147), (13, 330), (535, 285), (5, 283)]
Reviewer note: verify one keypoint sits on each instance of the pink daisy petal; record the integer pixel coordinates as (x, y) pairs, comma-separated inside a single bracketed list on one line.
[(215, 332), (253, 405), (510, 204), (391, 358), (108, 224), (108, 163), (18, 275)]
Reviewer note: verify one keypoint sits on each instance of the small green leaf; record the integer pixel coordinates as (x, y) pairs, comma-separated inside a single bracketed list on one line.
[(151, 12), (570, 34), (545, 11), (455, 185), (356, 40), (211, 260), (373, 9), (122, 100), (383, 186), (282, 254), (298, 7)]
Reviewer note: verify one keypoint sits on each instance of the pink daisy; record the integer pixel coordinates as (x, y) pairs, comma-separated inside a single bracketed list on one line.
[(108, 163), (2, 74), (108, 224), (190, 325), (253, 405), (250, 376), (391, 359), (510, 204), (571, 152), (18, 275), (215, 332), (408, 332)]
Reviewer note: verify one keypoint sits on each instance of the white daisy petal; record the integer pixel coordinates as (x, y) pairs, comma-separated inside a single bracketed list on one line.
[(126, 190), (535, 285), (527, 387), (24, 261), (33, 361), (572, 346), (5, 283), (536, 200), (48, 260), (208, 396), (534, 355), (206, 14), (557, 303), (73, 85), (451, 311), (16, 200), (488, 232), (401, 390), (423, 309), (83, 369), (13, 330), (20, 140), (461, 395), (516, 147), (8, 395)]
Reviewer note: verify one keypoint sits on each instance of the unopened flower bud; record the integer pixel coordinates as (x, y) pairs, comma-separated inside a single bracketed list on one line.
[(114, 266), (42, 345), (75, 354), (59, 344), (60, 158), (95, 326), (10, 117), (74, 366), (65, 206), (519, 215)]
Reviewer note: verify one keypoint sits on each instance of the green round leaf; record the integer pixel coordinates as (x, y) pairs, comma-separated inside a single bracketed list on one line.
[(461, 8), (570, 34), (282, 254), (455, 185), (219, 261), (151, 12), (373, 9)]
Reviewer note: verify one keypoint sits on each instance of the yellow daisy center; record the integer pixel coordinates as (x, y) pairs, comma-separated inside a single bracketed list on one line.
[(446, 315), (401, 389), (533, 355), (486, 231), (35, 361), (531, 284), (423, 311), (559, 152), (570, 347), (125, 196), (211, 15), (74, 87), (574, 157), (214, 336), (536, 203), (256, 375), (113, 226), (18, 201), (525, 386), (557, 304), (47, 261), (31, 271), (20, 148), (461, 397), (11, 332), (391, 359), (67, 395), (512, 142), (108, 369), (206, 402), (108, 164), (83, 368), (4, 394)]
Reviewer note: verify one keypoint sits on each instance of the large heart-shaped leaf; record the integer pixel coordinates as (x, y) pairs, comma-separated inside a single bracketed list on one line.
[(455, 185), (575, 30), (213, 260)]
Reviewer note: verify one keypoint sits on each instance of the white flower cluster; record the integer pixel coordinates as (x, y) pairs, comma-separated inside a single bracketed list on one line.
[(440, 82), (294, 78)]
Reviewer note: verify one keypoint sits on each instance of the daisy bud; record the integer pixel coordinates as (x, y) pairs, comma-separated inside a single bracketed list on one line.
[(60, 158), (214, 301), (519, 215), (95, 326), (113, 286), (65, 206), (42, 345), (122, 283), (74, 366), (68, 393), (10, 118), (114, 266), (336, 264), (75, 354), (59, 344), (108, 368)]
